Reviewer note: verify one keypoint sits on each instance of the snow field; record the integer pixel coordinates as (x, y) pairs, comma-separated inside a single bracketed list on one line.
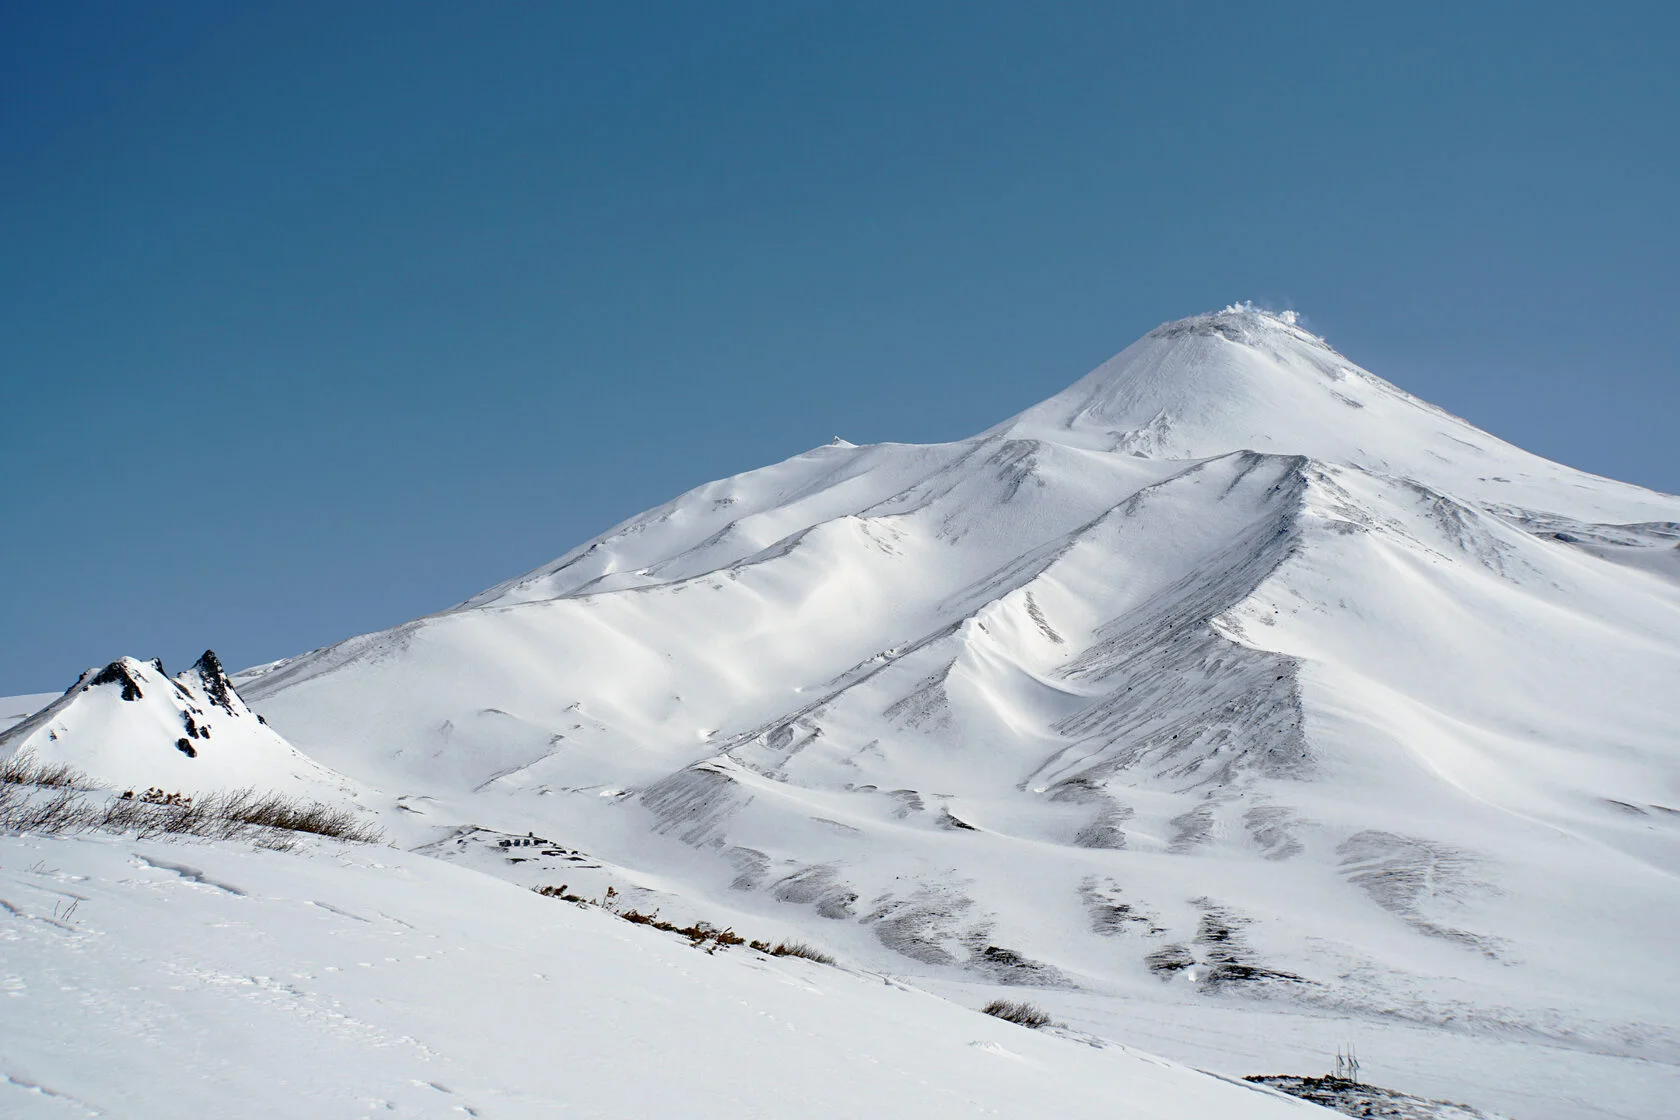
[(192, 979)]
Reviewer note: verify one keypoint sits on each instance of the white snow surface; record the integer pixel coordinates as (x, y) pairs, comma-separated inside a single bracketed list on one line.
[(1233, 704), (199, 980)]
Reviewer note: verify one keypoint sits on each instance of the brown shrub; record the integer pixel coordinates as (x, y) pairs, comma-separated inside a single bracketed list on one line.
[(799, 949), (24, 769), (291, 814), (58, 805), (22, 810), (1015, 1012)]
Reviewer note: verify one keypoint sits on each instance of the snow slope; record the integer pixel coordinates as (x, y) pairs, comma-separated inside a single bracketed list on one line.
[(199, 979)]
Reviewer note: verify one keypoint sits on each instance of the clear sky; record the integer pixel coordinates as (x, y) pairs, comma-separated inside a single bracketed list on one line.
[(314, 318)]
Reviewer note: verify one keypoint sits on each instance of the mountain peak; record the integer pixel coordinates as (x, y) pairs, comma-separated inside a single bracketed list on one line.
[(1235, 379), (216, 683), (1244, 378), (1238, 322)]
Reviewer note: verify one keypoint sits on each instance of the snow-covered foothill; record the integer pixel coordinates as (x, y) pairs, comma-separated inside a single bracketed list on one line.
[(130, 725)]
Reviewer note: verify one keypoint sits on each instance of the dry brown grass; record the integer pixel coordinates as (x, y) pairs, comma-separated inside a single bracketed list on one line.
[(799, 949), (702, 935), (56, 799), (291, 814)]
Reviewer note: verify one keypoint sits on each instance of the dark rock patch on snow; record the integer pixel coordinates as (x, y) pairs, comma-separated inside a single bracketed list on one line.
[(118, 673), (1353, 1098)]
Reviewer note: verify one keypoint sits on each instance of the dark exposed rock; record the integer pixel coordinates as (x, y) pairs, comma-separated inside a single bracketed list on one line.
[(216, 683), (1169, 960), (1105, 830), (1227, 957), (921, 925), (818, 886), (1007, 966), (1353, 1098), (118, 673), (1220, 956), (1109, 915)]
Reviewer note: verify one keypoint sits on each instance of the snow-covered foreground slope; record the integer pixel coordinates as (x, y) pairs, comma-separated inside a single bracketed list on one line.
[(1232, 692), (203, 980)]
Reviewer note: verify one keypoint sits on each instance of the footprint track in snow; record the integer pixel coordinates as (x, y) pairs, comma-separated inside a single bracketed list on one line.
[(72, 1106)]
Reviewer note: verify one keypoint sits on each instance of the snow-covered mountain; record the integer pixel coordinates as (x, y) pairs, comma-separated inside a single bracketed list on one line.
[(1231, 673), (131, 724), (1237, 701)]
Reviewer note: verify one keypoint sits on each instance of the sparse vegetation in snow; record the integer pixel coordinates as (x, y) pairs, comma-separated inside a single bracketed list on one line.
[(1017, 1011), (53, 799), (703, 935)]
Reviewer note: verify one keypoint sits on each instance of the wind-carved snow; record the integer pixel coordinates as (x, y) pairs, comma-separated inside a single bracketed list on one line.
[(1231, 681)]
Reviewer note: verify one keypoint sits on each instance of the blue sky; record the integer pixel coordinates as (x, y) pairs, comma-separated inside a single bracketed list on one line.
[(314, 318)]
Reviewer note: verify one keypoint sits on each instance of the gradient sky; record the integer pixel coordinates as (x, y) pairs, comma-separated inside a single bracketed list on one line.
[(314, 318)]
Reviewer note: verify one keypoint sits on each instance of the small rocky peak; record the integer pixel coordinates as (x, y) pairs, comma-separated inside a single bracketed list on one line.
[(216, 683)]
